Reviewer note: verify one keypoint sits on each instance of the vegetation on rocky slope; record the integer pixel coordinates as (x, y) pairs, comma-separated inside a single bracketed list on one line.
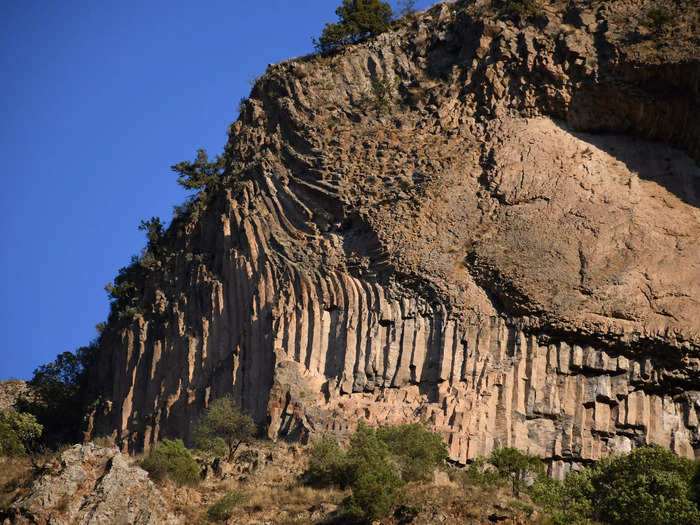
[(19, 432), (172, 459), (358, 19), (223, 428), (279, 483), (418, 128)]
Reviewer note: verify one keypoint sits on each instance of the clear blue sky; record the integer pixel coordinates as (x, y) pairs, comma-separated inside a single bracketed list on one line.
[(97, 101)]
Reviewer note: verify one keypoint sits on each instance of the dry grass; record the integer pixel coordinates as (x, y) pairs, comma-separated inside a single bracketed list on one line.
[(16, 475), (469, 503), (293, 499), (278, 498), (272, 492)]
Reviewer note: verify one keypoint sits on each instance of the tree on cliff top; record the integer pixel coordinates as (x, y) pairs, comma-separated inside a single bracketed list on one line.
[(358, 19), (201, 172), (224, 421)]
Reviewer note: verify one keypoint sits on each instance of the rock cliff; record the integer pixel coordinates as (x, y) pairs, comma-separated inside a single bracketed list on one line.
[(480, 220)]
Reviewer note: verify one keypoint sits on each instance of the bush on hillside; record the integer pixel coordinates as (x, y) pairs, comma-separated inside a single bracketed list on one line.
[(222, 510), (650, 485), (328, 464), (375, 483), (170, 458), (19, 432), (417, 450), (381, 93), (515, 465), (564, 503), (10, 444), (479, 472), (358, 19), (369, 465), (224, 421), (376, 488), (523, 9)]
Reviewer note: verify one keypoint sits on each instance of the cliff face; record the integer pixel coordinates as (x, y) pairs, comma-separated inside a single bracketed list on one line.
[(488, 224)]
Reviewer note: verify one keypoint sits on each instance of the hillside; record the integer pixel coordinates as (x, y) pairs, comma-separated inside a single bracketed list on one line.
[(485, 219)]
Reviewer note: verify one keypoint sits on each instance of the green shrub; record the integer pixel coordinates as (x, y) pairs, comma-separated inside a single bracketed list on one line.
[(19, 432), (381, 91), (514, 465), (365, 448), (223, 509), (404, 184), (155, 232), (223, 421), (376, 488), (200, 173), (120, 291), (478, 473), (650, 486), (10, 444), (520, 506), (364, 467), (564, 503), (328, 464), (375, 484), (213, 448), (358, 19), (123, 291), (523, 8), (172, 459), (368, 466), (695, 484), (417, 450)]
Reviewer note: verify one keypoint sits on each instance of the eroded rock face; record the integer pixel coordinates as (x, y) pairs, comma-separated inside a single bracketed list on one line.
[(10, 391), (510, 252), (93, 485)]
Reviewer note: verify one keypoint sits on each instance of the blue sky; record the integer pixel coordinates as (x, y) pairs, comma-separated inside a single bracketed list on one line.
[(98, 100)]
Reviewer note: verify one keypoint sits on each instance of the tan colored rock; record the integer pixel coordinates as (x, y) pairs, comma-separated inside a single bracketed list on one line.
[(505, 253), (91, 486), (10, 391)]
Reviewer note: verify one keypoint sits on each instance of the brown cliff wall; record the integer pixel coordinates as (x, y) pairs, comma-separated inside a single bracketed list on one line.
[(472, 256)]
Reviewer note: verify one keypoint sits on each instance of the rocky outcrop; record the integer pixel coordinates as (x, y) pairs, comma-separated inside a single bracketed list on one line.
[(488, 224), (92, 485), (10, 391)]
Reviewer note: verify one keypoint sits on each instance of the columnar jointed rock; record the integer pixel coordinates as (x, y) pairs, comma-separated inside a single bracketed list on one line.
[(93, 485), (473, 256)]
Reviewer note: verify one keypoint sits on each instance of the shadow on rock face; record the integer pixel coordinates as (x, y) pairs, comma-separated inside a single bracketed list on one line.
[(665, 165)]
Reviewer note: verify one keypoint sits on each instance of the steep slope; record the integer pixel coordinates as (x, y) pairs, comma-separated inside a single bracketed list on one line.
[(481, 221)]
